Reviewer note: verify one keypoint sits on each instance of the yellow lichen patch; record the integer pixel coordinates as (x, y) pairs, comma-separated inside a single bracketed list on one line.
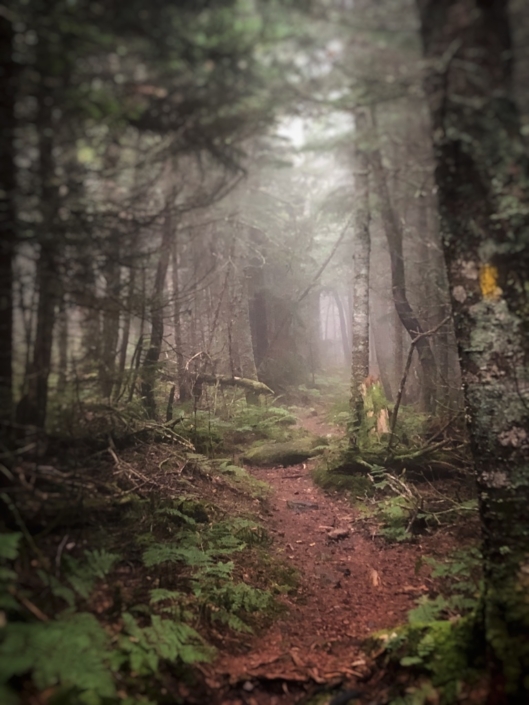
[(488, 281)]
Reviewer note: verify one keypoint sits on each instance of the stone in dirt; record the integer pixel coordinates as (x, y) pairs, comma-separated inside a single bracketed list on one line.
[(338, 534)]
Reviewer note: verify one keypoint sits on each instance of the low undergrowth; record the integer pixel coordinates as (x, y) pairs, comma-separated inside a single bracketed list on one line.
[(439, 654), (120, 607)]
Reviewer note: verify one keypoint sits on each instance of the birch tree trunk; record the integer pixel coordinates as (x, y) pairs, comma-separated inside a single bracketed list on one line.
[(361, 255), (483, 180)]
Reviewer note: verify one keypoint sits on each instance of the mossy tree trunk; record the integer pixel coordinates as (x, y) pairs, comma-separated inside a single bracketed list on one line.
[(483, 179), (361, 255)]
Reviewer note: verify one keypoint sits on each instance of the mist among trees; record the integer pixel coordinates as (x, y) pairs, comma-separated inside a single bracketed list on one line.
[(263, 375)]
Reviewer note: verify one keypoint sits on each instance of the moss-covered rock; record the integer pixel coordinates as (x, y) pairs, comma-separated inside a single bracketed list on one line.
[(287, 453)]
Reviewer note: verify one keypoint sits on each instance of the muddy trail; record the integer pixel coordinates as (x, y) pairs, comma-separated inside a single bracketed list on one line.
[(351, 584)]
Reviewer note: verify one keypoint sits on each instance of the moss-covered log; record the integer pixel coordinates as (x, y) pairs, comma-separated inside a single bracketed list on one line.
[(287, 453)]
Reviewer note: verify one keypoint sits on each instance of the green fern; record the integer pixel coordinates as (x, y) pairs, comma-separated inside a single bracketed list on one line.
[(142, 648), (176, 514), (71, 652), (229, 603), (57, 588), (82, 574), (162, 595), (9, 546)]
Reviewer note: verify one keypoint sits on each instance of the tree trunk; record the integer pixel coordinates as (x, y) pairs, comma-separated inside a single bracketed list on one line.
[(110, 325), (344, 333), (33, 410), (7, 213), (361, 256), (257, 298), (184, 389), (157, 316), (62, 348), (393, 230), (125, 337), (483, 180)]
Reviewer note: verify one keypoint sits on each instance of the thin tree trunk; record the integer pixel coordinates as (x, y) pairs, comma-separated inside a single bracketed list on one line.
[(135, 363), (110, 324), (33, 410), (184, 388), (157, 319), (344, 334), (7, 213), (258, 303), (62, 345), (393, 231), (361, 257), (483, 185), (398, 348), (125, 337)]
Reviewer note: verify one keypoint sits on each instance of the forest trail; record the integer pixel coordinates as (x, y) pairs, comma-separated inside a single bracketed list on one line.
[(351, 584)]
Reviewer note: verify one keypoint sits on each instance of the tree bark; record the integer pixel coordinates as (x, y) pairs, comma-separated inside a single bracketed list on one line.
[(257, 297), (483, 180), (157, 319), (125, 337), (344, 333), (110, 324), (8, 233), (361, 257), (184, 390), (393, 231), (33, 410), (62, 347)]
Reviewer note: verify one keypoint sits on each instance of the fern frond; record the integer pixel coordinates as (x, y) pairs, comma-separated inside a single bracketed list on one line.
[(70, 652), (9, 546)]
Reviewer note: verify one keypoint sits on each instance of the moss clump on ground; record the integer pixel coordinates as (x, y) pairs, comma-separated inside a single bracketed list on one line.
[(340, 468), (332, 479), (286, 453)]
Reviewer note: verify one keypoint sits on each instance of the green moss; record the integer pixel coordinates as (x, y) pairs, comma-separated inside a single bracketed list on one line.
[(287, 453), (358, 485)]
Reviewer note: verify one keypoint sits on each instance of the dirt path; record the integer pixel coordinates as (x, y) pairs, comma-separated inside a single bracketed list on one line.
[(350, 586)]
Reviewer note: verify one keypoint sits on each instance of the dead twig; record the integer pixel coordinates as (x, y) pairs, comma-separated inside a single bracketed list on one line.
[(413, 345)]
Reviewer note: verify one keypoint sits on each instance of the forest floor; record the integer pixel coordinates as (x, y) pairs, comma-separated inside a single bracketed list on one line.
[(352, 583), (322, 574)]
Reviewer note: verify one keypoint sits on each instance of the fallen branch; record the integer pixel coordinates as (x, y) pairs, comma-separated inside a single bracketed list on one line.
[(226, 381)]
